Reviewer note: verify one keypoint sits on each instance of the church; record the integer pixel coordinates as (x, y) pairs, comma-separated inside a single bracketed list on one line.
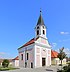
[(37, 51)]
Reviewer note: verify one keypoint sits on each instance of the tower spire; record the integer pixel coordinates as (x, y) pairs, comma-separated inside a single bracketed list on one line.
[(40, 27), (40, 20), (40, 10)]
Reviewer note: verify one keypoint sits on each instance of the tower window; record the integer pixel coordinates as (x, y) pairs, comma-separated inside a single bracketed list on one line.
[(37, 32), (21, 56), (43, 32), (27, 56), (43, 26), (38, 27)]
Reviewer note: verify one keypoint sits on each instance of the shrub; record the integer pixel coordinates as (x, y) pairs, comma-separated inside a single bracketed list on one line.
[(5, 63), (60, 64), (65, 69)]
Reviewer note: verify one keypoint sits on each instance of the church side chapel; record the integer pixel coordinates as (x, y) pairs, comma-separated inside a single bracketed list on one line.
[(36, 52)]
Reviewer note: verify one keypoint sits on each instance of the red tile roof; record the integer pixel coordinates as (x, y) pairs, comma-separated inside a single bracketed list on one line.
[(54, 54), (17, 58), (29, 42)]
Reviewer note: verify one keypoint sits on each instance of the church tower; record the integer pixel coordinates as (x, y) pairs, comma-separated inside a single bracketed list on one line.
[(40, 29), (37, 51)]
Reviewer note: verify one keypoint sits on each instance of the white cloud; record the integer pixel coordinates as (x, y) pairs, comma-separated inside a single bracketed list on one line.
[(64, 33), (67, 51), (53, 44), (64, 40), (2, 53), (5, 55)]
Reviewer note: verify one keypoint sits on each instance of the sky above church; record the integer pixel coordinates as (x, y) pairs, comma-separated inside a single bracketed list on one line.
[(18, 19)]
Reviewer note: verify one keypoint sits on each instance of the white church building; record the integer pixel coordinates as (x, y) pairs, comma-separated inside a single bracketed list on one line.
[(37, 51)]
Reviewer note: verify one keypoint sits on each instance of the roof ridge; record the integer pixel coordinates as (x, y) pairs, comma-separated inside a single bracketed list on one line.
[(28, 43), (31, 41)]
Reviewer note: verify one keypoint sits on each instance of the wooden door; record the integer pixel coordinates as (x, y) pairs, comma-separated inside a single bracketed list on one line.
[(43, 62)]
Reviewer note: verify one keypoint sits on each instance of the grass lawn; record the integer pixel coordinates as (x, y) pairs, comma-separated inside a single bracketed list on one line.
[(9, 68)]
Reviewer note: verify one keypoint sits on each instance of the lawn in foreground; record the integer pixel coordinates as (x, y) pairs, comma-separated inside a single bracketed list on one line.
[(9, 68)]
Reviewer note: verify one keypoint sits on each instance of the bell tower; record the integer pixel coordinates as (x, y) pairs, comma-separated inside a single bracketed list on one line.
[(40, 29)]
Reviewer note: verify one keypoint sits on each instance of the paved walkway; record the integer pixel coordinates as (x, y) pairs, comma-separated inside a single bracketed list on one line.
[(41, 69)]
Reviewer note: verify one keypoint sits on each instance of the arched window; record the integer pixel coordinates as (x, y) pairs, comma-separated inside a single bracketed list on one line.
[(43, 32), (38, 27), (37, 32), (43, 27)]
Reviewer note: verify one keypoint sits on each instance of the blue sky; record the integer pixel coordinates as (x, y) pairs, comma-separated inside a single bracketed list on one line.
[(19, 17)]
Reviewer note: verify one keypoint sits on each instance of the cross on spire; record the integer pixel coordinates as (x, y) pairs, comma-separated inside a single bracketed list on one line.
[(40, 10)]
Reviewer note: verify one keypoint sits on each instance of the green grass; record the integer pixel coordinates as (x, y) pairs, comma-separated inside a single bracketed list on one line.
[(9, 68)]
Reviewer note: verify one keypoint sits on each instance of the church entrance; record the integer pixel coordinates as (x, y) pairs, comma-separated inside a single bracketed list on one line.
[(43, 61)]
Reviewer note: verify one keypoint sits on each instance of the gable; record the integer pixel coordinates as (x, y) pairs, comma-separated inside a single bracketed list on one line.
[(43, 41)]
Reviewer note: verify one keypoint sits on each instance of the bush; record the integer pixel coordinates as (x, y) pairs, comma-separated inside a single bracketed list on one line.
[(60, 71), (5, 63), (60, 64), (65, 69)]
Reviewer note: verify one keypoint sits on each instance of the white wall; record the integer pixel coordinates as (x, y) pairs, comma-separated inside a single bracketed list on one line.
[(42, 53), (58, 61), (15, 63), (43, 45), (21, 62), (45, 52), (30, 50)]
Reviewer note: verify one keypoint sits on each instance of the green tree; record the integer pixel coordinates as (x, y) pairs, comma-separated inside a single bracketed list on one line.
[(61, 54), (5, 63)]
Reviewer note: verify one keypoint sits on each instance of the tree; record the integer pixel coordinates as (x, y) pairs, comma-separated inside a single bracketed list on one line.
[(5, 63), (61, 54)]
